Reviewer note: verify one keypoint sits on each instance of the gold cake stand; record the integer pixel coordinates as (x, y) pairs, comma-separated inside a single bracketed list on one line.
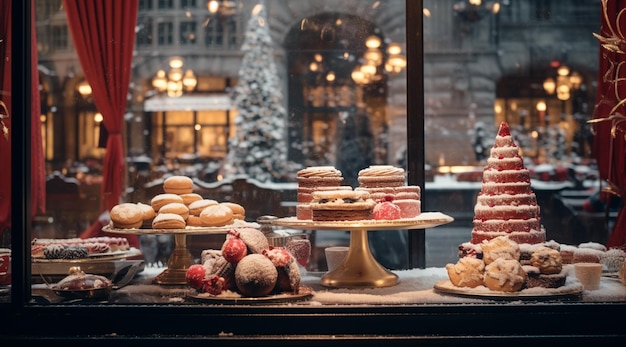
[(359, 268), (180, 259)]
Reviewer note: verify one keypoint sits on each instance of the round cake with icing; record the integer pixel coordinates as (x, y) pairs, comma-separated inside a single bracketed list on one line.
[(506, 204)]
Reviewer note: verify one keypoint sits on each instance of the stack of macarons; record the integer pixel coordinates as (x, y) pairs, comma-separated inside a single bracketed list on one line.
[(177, 208)]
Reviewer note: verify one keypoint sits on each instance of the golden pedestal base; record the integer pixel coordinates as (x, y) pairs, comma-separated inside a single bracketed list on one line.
[(178, 263), (359, 269)]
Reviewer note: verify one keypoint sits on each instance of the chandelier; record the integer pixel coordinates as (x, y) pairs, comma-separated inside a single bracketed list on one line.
[(176, 81)]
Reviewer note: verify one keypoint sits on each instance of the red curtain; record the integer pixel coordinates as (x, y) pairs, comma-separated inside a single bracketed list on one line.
[(103, 32), (37, 181), (609, 118)]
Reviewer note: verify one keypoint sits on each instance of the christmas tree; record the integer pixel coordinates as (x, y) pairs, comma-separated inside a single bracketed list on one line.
[(259, 149)]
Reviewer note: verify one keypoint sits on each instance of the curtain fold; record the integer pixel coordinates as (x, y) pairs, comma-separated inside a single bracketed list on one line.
[(38, 175), (609, 117), (103, 32)]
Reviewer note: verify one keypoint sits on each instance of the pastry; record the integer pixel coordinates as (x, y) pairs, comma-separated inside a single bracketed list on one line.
[(216, 216), (238, 211), (196, 207), (177, 208), (126, 216), (467, 272), (178, 185), (190, 197), (377, 176), (547, 260), (288, 279), (168, 221), (341, 205), (160, 200), (505, 275), (255, 275), (500, 247), (386, 209)]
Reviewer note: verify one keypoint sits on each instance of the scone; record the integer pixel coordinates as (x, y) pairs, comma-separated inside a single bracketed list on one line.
[(467, 272), (505, 275)]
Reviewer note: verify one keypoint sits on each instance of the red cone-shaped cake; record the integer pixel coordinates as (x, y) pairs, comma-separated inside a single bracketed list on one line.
[(506, 205)]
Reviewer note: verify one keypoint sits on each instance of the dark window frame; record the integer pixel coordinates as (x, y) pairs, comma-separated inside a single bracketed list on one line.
[(195, 325)]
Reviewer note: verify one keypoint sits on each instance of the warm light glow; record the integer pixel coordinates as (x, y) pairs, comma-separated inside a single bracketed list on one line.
[(176, 62), (394, 48), (197, 127), (495, 8), (358, 76), (189, 80), (160, 81), (497, 108), (176, 75), (397, 61), (374, 56), (549, 85), (213, 6), (563, 70), (426, 12), (534, 134), (368, 69), (318, 57), (84, 88), (541, 106), (373, 42), (330, 76), (475, 2), (575, 80), (98, 117), (313, 66)]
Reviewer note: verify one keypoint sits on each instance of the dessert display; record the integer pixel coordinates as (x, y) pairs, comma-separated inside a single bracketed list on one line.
[(320, 192), (78, 284), (246, 266), (76, 248), (177, 208), (508, 237), (506, 204)]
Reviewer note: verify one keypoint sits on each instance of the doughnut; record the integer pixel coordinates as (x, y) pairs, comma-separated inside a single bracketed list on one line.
[(168, 221), (190, 197), (238, 211), (547, 260), (160, 200), (197, 206), (178, 185), (176, 208), (467, 272), (216, 216), (500, 247), (505, 275), (126, 216), (255, 275)]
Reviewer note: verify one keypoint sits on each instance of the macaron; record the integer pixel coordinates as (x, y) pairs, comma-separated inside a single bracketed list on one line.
[(161, 200), (168, 221), (178, 185), (126, 216)]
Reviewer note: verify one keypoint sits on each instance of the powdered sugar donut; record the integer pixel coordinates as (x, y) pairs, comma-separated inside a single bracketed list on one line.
[(255, 275)]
